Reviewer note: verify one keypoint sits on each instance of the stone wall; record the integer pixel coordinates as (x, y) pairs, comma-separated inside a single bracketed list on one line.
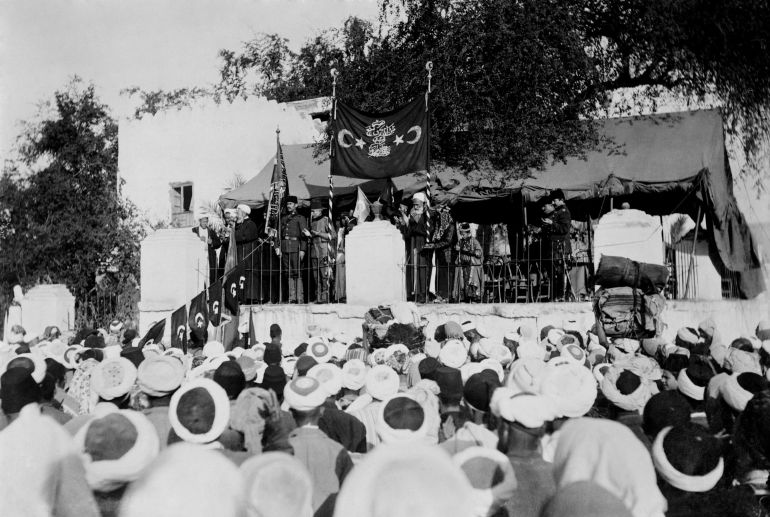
[(734, 317)]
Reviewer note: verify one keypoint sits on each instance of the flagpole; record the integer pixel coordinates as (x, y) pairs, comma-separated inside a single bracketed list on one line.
[(429, 68), (330, 248), (278, 233)]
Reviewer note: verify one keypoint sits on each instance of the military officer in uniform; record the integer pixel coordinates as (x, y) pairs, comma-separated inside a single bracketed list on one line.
[(292, 249), (320, 239), (556, 225)]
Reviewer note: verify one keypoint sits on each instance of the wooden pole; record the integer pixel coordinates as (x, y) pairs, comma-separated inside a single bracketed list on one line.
[(692, 252)]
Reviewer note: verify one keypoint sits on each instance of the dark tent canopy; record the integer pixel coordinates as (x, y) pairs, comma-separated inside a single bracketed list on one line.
[(661, 164)]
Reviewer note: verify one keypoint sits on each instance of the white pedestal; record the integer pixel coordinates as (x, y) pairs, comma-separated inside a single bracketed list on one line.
[(629, 233), (45, 305), (374, 264), (174, 269)]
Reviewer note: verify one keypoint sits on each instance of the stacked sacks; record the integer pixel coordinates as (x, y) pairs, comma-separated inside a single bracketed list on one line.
[(397, 323)]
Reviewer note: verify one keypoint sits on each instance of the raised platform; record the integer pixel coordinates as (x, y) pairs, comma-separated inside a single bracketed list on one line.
[(733, 317)]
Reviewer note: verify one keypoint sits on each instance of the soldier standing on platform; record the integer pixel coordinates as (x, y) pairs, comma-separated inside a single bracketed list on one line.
[(292, 249), (319, 250)]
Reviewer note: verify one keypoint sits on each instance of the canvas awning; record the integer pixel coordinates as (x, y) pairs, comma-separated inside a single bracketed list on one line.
[(661, 164)]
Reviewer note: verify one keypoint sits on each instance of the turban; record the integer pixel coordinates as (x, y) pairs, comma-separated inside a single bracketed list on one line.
[(118, 445), (160, 375), (186, 480), (113, 378), (410, 478), (572, 388), (739, 388), (525, 375), (528, 409), (304, 394), (354, 374), (618, 387), (278, 484), (691, 447), (382, 382), (739, 361), (329, 376), (401, 418), (246, 209), (199, 411), (453, 354)]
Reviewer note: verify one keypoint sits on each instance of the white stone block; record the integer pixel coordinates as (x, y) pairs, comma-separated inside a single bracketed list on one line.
[(374, 260), (629, 233), (174, 269), (45, 305)]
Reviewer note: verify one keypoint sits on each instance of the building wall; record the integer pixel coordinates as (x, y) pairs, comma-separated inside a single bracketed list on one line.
[(207, 145)]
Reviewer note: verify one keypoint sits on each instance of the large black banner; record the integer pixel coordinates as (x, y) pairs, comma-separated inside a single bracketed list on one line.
[(380, 145), (179, 328), (198, 317), (215, 302)]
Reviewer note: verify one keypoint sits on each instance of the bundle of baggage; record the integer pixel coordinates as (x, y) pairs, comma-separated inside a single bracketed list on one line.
[(629, 302), (387, 325)]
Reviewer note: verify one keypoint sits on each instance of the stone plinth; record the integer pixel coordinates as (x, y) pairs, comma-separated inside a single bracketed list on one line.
[(374, 260), (45, 305), (174, 268), (629, 233)]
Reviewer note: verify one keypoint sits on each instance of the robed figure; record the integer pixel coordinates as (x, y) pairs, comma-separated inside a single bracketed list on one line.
[(247, 240), (416, 228)]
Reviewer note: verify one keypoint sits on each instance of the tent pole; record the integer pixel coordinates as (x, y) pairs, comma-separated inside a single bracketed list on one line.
[(692, 252)]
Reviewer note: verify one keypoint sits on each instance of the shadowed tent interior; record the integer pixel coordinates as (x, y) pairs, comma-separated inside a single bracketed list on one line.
[(661, 164)]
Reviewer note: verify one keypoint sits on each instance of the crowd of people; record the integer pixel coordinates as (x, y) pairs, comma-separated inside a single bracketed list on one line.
[(541, 423), (303, 260)]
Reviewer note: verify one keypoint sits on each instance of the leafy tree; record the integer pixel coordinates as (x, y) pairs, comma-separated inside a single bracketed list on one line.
[(66, 222), (516, 81)]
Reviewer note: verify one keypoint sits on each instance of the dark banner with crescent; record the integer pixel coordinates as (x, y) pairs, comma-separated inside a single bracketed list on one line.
[(380, 145), (179, 328), (198, 317), (235, 284), (155, 334), (215, 303)]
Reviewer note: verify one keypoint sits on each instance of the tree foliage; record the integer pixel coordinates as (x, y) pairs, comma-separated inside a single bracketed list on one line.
[(516, 81), (64, 219)]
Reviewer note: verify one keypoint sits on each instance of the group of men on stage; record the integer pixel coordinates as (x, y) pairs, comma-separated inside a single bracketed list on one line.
[(444, 259), (269, 260)]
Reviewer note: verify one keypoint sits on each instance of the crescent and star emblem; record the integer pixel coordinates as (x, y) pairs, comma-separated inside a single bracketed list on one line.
[(199, 320), (341, 138), (345, 142), (417, 130)]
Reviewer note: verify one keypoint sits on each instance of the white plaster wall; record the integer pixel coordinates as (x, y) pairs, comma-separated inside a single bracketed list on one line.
[(733, 317), (206, 144)]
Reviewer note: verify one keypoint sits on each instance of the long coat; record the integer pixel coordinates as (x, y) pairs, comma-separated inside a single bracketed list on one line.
[(247, 240)]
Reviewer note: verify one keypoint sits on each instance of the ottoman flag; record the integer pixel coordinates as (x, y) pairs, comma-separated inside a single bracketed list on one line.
[(179, 328), (380, 145), (235, 282), (215, 303), (198, 318), (155, 334)]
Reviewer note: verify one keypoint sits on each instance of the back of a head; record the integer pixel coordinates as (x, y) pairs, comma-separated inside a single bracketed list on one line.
[(585, 499), (187, 480), (404, 480), (278, 485), (691, 450)]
